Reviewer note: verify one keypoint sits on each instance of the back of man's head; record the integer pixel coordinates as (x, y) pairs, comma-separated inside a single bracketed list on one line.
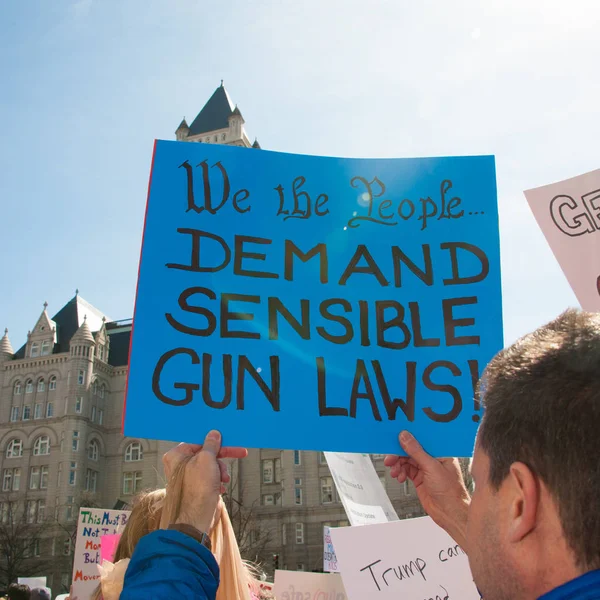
[(542, 401), (18, 591), (40, 593)]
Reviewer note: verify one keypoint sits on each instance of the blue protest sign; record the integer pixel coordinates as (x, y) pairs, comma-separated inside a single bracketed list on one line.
[(314, 303)]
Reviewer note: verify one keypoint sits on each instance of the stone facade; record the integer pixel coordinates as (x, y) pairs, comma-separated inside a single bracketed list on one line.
[(61, 447)]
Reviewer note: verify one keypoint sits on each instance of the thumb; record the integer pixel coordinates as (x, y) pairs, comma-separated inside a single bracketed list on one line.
[(415, 450), (212, 443)]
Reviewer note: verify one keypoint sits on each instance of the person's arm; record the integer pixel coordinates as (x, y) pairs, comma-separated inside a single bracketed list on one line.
[(168, 564), (439, 485)]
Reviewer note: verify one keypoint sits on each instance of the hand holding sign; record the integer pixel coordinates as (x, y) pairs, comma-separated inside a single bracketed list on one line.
[(439, 484)]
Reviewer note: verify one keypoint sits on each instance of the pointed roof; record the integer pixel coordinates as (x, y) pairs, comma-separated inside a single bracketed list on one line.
[(83, 334), (215, 114), (183, 125), (68, 320), (256, 144), (5, 345)]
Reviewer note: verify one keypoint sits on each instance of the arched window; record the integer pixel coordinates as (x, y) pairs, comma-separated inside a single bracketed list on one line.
[(102, 390), (45, 347), (52, 383), (14, 449), (29, 386), (41, 386), (17, 388), (41, 446), (35, 349), (133, 452), (93, 450)]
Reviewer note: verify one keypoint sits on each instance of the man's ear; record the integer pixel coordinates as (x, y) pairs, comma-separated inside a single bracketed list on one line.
[(524, 496)]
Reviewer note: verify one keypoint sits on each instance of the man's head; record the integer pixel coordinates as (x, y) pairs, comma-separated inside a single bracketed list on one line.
[(536, 465), (40, 593), (18, 591)]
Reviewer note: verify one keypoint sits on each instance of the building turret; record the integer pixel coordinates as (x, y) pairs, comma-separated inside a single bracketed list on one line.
[(256, 144), (182, 131), (236, 121), (81, 350), (6, 349)]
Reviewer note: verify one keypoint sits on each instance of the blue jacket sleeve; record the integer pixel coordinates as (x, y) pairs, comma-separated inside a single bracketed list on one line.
[(170, 564)]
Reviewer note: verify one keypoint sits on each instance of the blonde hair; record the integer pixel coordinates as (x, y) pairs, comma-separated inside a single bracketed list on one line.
[(159, 508)]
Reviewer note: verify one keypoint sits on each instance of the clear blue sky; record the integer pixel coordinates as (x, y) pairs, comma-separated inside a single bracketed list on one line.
[(87, 85)]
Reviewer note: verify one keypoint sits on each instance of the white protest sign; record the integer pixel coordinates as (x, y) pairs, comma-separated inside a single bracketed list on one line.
[(568, 213), (329, 557), (32, 582), (360, 488), (413, 558), (298, 585), (93, 523)]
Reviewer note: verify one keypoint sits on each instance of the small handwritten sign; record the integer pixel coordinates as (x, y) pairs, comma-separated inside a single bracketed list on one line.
[(568, 213), (349, 298), (329, 558), (293, 585), (93, 524), (413, 558), (360, 489)]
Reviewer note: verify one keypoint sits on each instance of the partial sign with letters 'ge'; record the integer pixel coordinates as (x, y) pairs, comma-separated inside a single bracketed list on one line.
[(330, 302)]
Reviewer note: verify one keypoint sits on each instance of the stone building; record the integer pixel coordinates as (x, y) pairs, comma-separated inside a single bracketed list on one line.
[(61, 447)]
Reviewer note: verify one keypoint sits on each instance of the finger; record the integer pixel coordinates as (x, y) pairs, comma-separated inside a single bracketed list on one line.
[(415, 451), (232, 452), (225, 478), (390, 460), (212, 443)]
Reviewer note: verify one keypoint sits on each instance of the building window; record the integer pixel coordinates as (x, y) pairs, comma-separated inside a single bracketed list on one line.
[(93, 450), (93, 414), (278, 470), (41, 386), (223, 137), (95, 387), (45, 348), (49, 410), (73, 473), (59, 475), (41, 511), (11, 480), (41, 447), (14, 413), (26, 413), (299, 533), (35, 349), (284, 534), (91, 479), (44, 472), (37, 413), (100, 416), (297, 457), (134, 452), (17, 388), (267, 471), (75, 444), (326, 490), (31, 511), (29, 386), (268, 500), (81, 377), (102, 391), (52, 383), (65, 579), (67, 546), (300, 567), (322, 459), (34, 478), (298, 496), (79, 404), (132, 482), (14, 449)]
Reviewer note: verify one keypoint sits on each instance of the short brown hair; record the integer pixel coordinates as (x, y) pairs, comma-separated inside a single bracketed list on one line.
[(18, 591), (542, 408)]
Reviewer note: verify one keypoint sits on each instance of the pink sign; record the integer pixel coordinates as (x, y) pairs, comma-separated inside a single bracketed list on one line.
[(568, 214), (108, 546)]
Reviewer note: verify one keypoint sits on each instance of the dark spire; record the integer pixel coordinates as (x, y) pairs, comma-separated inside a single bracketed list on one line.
[(256, 144), (215, 114), (182, 125)]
